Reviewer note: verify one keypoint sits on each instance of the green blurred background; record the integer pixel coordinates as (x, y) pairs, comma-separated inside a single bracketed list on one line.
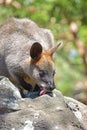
[(67, 20)]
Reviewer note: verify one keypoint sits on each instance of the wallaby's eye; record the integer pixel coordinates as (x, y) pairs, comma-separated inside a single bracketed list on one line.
[(42, 73)]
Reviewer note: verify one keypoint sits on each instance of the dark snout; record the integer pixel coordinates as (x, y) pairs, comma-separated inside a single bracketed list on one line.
[(50, 86), (47, 87)]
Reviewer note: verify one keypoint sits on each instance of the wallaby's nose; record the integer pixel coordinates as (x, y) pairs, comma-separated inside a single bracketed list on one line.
[(51, 86)]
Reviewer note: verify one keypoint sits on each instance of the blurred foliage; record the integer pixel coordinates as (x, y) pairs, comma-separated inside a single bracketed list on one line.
[(56, 15)]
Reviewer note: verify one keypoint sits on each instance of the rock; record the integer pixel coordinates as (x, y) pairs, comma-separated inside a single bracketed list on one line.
[(8, 90), (9, 95), (41, 113)]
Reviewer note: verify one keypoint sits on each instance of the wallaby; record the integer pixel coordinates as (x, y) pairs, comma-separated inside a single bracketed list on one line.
[(26, 55)]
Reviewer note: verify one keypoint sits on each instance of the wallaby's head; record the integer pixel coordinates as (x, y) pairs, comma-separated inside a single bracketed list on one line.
[(42, 68)]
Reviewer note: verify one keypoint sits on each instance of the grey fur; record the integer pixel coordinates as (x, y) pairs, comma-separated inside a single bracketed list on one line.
[(16, 38)]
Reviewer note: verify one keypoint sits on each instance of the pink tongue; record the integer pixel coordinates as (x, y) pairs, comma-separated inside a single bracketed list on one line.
[(42, 92)]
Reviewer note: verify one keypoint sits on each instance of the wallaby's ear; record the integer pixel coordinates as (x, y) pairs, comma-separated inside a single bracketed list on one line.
[(54, 49), (35, 51)]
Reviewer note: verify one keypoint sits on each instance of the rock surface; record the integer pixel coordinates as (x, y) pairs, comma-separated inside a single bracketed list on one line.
[(41, 113)]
